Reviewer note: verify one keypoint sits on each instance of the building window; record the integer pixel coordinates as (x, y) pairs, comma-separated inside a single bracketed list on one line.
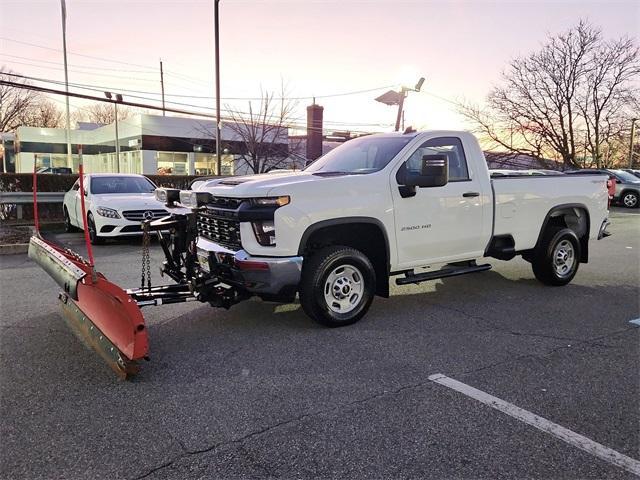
[(172, 163), (227, 165), (205, 164)]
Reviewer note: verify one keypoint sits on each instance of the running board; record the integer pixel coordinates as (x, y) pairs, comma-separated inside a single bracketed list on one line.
[(445, 272)]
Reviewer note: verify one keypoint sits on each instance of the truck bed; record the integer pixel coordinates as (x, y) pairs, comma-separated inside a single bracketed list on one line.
[(523, 202)]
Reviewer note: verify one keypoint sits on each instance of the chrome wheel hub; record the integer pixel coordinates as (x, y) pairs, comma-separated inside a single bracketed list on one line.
[(630, 200), (563, 258), (343, 289)]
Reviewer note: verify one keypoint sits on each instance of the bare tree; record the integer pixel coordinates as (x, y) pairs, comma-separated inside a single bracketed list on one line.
[(264, 132), (103, 113), (14, 101), (44, 113), (570, 97)]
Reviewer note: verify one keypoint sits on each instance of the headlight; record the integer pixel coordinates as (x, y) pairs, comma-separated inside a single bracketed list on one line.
[(271, 201), (107, 212), (167, 195), (191, 199), (265, 232)]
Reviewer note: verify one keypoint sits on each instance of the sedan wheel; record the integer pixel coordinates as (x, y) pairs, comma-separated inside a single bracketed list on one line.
[(630, 200), (94, 238)]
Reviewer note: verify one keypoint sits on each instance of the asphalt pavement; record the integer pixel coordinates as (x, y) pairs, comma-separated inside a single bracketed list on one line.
[(260, 391)]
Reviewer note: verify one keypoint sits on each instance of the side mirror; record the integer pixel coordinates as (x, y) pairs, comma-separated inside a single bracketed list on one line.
[(434, 172)]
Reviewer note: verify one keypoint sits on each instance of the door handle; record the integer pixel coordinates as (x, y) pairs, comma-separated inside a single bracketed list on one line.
[(471, 194)]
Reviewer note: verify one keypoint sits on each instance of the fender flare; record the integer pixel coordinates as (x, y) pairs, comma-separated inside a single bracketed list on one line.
[(584, 240)]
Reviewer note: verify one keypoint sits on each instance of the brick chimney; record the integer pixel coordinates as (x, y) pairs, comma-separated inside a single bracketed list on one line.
[(314, 131)]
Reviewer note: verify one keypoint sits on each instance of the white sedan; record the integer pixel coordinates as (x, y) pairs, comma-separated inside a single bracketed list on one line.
[(116, 204)]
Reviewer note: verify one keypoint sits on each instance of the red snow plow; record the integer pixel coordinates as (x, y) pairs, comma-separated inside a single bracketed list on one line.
[(100, 313), (106, 317)]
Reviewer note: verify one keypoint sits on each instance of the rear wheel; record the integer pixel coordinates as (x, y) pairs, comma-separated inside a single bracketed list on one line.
[(68, 226), (94, 238), (555, 261), (630, 199), (338, 285)]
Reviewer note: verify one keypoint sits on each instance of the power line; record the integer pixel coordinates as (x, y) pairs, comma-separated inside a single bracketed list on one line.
[(93, 67), (129, 78), (52, 91), (102, 88), (77, 54)]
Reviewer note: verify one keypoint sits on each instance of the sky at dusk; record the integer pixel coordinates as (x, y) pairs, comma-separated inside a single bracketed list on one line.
[(317, 48)]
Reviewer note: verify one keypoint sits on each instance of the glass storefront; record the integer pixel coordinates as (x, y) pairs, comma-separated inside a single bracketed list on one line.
[(205, 164), (130, 162), (172, 163)]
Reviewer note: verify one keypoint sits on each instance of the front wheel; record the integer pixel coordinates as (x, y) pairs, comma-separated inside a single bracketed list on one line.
[(337, 287), (94, 238), (630, 199), (555, 261)]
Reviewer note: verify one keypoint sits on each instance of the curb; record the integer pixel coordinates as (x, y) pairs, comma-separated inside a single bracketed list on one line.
[(13, 249)]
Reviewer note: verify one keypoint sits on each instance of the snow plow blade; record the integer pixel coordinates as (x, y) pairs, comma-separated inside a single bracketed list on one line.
[(99, 312)]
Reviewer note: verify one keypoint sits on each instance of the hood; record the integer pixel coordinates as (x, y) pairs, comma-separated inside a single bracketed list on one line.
[(127, 201), (258, 185)]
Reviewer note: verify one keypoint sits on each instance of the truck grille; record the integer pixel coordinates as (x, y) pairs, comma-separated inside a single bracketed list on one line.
[(139, 215), (224, 231)]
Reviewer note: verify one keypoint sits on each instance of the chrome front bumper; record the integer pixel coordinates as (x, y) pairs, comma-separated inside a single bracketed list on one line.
[(269, 276)]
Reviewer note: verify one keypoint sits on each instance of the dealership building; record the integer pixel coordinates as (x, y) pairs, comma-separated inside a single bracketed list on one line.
[(149, 144)]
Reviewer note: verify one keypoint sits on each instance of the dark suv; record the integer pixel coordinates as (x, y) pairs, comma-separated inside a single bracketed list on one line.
[(627, 185)]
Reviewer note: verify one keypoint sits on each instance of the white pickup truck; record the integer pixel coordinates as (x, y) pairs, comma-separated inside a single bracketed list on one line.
[(416, 206)]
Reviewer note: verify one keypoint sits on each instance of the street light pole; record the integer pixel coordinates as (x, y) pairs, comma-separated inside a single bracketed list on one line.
[(633, 131), (217, 54), (66, 81)]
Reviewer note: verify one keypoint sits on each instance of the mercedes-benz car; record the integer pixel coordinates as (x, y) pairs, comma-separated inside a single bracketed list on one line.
[(116, 204)]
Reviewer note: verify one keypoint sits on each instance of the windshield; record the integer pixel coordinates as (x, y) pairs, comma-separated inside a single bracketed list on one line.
[(625, 176), (360, 155), (108, 185)]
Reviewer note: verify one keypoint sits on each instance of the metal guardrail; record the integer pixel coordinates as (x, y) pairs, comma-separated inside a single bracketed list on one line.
[(26, 198)]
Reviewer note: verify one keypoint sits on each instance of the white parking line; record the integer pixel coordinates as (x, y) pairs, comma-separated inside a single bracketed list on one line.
[(635, 321), (583, 443)]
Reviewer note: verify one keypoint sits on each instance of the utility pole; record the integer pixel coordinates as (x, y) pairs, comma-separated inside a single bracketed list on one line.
[(118, 99), (633, 131), (217, 53), (403, 95), (66, 81), (397, 98), (162, 87)]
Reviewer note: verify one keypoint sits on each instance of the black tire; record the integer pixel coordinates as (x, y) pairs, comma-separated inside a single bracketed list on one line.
[(68, 226), (555, 261), (629, 200), (352, 289), (94, 238)]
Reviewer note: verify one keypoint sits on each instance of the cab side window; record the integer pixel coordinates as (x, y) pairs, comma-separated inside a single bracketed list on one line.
[(449, 146), (76, 186)]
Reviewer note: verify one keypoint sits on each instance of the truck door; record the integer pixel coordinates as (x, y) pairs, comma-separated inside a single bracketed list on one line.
[(440, 224)]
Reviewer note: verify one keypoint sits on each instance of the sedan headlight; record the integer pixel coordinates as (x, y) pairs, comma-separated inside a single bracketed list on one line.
[(167, 195), (265, 232), (107, 212)]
